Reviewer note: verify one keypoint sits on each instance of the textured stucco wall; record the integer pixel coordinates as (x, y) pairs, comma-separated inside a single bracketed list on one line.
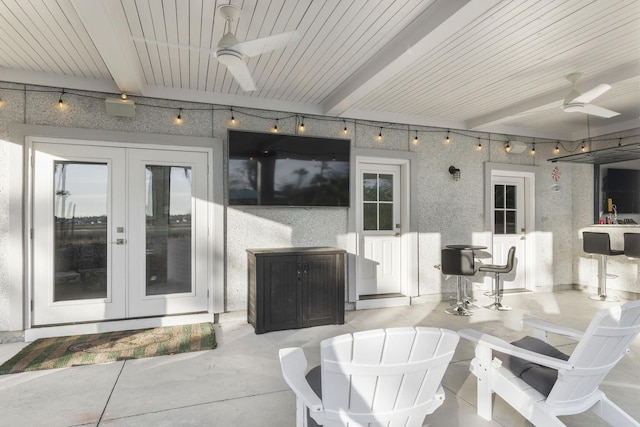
[(448, 210)]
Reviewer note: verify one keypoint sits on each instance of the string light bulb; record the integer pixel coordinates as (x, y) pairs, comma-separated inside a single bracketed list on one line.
[(380, 135), (508, 147), (123, 96), (301, 127), (415, 139), (583, 147), (233, 119), (275, 127), (447, 139), (60, 101), (619, 139), (345, 126), (557, 149), (179, 117), (479, 146), (533, 149)]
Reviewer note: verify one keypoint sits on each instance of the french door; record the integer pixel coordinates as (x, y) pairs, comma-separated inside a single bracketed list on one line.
[(117, 233)]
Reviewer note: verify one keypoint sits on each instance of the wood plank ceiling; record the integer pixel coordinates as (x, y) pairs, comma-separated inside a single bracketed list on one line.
[(468, 64)]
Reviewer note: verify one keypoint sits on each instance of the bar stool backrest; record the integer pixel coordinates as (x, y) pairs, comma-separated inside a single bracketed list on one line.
[(458, 262), (596, 243), (632, 245)]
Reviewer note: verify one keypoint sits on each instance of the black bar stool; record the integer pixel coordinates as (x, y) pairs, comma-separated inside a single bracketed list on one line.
[(600, 243), (497, 270), (632, 245), (458, 262)]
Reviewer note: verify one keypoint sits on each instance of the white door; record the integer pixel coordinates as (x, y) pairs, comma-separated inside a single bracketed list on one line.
[(117, 233), (379, 258), (508, 227)]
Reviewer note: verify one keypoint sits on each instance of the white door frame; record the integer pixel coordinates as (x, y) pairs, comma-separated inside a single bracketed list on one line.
[(408, 219), (24, 135), (532, 217)]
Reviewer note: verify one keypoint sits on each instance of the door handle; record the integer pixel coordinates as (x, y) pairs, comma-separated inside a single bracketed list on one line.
[(119, 242)]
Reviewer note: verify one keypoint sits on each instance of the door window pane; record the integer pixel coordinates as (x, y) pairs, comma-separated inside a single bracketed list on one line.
[(386, 188), (370, 219), (168, 230), (498, 222), (510, 196), (498, 191), (386, 216), (510, 224), (369, 187), (80, 231)]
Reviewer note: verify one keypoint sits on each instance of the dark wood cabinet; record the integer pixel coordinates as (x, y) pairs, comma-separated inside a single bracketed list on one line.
[(295, 288)]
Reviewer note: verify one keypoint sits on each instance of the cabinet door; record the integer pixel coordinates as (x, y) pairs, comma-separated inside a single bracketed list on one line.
[(321, 278), (282, 292)]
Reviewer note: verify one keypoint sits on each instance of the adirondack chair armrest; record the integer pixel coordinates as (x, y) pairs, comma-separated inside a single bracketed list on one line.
[(494, 343), (543, 326), (294, 364)]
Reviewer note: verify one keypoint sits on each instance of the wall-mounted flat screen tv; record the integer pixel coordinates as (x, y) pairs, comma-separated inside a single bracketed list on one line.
[(273, 169)]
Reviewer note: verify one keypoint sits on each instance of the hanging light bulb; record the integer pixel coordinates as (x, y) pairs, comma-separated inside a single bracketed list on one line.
[(179, 117), (275, 127), (415, 140), (447, 139), (583, 147), (479, 146), (233, 119), (508, 147), (123, 96), (345, 126), (557, 149), (301, 127), (60, 101), (533, 149), (380, 135)]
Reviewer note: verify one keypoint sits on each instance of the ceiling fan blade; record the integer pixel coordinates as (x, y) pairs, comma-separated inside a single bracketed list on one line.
[(241, 73), (266, 44), (592, 94), (594, 110), (176, 45)]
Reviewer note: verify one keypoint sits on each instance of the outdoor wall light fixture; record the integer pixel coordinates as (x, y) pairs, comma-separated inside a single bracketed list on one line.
[(455, 172)]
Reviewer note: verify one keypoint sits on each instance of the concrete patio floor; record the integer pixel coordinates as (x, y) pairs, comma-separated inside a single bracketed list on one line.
[(239, 383)]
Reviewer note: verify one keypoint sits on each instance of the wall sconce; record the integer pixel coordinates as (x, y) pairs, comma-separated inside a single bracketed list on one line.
[(455, 172)]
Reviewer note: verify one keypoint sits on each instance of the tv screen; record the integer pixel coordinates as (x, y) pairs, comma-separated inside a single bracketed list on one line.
[(272, 169)]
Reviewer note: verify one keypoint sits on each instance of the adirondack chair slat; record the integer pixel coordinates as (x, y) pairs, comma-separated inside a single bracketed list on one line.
[(379, 378)]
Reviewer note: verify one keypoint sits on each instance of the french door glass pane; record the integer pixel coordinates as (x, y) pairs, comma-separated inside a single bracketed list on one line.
[(168, 230), (80, 231)]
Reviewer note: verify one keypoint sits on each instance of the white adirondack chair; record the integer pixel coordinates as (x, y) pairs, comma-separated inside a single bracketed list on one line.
[(576, 388), (373, 377)]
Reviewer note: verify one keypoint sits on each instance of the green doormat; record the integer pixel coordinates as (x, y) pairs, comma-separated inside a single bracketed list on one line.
[(61, 352)]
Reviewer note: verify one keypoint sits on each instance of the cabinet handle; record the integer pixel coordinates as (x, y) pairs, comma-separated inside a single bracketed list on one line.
[(306, 268), (298, 271)]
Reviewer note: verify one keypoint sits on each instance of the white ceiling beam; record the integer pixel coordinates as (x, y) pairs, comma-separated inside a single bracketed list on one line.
[(437, 23), (553, 98), (107, 26), (43, 78)]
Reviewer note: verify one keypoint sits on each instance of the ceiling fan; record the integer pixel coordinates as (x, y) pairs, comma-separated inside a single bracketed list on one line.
[(577, 102), (233, 53)]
